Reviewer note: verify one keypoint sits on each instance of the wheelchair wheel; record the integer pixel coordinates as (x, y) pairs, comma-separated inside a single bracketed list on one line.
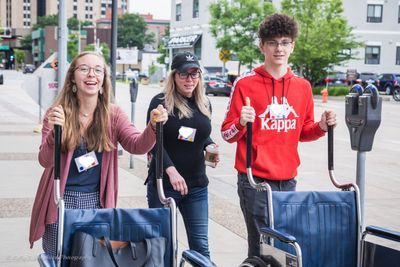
[(253, 261)]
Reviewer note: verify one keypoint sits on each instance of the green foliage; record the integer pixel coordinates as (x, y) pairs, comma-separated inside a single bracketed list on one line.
[(332, 91), (43, 21), (19, 56), (132, 31), (324, 35), (152, 69), (72, 46), (234, 24), (162, 50)]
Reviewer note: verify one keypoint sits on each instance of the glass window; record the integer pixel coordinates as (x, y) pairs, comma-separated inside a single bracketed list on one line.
[(178, 16), (195, 8), (372, 55), (374, 13), (197, 49), (398, 55)]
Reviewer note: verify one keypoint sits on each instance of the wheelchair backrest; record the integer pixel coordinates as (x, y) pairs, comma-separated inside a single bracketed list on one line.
[(324, 224), (119, 224)]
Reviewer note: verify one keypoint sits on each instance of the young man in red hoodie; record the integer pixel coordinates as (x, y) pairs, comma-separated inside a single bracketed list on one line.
[(280, 106)]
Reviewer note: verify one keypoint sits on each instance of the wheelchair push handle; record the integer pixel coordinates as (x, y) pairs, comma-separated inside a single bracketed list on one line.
[(249, 142), (159, 153), (57, 151)]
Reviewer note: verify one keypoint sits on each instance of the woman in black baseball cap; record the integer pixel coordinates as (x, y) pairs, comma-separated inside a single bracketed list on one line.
[(186, 136)]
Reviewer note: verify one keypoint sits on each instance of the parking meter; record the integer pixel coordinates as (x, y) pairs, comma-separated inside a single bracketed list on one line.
[(363, 116), (133, 90)]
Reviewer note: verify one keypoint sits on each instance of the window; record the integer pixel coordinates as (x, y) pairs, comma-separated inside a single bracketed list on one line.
[(195, 8), (374, 13), (197, 49), (372, 55), (178, 16), (398, 55)]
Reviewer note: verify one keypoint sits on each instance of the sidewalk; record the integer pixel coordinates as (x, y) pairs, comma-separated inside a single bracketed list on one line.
[(21, 173)]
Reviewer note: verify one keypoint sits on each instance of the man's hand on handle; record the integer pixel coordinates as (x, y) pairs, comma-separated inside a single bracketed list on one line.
[(247, 114)]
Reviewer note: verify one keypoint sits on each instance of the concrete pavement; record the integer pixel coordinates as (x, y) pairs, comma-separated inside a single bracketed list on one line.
[(20, 174)]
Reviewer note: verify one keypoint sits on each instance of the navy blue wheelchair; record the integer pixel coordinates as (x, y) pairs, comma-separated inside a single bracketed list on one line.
[(318, 229), (120, 224)]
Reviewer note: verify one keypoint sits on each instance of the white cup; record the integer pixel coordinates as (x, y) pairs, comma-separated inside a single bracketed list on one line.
[(211, 155)]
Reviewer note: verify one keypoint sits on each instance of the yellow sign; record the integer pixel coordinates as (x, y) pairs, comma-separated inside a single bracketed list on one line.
[(224, 55)]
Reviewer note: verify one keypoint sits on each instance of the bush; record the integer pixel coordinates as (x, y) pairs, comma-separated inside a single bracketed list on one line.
[(332, 91)]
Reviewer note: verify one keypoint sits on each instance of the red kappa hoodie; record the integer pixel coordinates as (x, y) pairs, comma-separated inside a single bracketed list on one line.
[(284, 116)]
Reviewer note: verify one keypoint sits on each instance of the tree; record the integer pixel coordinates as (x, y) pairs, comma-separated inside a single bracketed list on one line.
[(19, 57), (162, 50), (72, 46), (324, 36), (43, 21), (132, 31), (234, 24), (26, 42)]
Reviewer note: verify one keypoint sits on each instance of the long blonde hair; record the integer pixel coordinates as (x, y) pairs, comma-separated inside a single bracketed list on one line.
[(175, 100), (96, 136)]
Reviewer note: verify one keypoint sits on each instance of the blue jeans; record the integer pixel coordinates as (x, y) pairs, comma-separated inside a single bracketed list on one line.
[(255, 207), (194, 210)]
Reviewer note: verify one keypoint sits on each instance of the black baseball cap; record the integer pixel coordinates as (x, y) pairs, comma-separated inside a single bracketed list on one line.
[(183, 61)]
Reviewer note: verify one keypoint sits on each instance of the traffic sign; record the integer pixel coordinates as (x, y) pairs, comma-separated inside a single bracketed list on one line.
[(54, 64), (224, 55)]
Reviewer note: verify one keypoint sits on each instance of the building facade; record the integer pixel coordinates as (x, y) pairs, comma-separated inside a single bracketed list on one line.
[(376, 23)]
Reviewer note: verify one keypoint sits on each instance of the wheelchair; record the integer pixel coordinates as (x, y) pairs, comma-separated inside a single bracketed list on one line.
[(120, 224), (321, 229)]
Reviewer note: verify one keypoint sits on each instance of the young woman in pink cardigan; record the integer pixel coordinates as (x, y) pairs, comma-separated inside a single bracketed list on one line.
[(92, 127)]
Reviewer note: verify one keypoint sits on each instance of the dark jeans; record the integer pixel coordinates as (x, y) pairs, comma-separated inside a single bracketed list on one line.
[(255, 209), (194, 210)]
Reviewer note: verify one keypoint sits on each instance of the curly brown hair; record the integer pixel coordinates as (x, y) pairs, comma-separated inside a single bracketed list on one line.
[(278, 25)]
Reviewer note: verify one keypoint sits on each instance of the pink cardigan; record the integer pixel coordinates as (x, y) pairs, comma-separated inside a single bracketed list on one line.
[(122, 131)]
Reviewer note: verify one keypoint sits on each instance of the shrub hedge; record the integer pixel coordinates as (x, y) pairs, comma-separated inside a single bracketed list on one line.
[(332, 91)]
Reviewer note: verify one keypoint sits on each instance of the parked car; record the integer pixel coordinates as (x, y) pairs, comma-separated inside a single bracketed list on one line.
[(396, 94), (217, 86), (388, 82), (365, 78), (29, 68), (337, 78)]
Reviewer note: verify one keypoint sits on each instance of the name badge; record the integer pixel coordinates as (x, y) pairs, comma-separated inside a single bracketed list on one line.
[(87, 161), (186, 134)]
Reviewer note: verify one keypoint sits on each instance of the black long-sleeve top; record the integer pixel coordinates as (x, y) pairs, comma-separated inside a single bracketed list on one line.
[(186, 156)]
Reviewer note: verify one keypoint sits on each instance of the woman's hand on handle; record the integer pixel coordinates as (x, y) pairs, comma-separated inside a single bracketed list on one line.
[(158, 114), (56, 116), (247, 114)]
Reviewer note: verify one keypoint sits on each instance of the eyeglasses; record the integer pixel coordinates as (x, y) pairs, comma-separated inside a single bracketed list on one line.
[(185, 75), (85, 69), (275, 44)]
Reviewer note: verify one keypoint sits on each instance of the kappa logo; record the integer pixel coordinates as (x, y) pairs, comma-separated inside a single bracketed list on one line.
[(276, 116), (189, 58)]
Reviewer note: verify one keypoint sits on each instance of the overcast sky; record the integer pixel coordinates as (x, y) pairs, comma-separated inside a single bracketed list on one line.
[(161, 9)]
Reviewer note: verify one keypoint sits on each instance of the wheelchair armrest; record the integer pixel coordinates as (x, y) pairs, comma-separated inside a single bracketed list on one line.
[(382, 232), (196, 259), (283, 237), (46, 260)]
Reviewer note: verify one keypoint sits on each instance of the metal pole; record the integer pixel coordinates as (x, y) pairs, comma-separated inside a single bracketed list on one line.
[(40, 98), (360, 181), (79, 37), (62, 44), (131, 165), (114, 32)]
